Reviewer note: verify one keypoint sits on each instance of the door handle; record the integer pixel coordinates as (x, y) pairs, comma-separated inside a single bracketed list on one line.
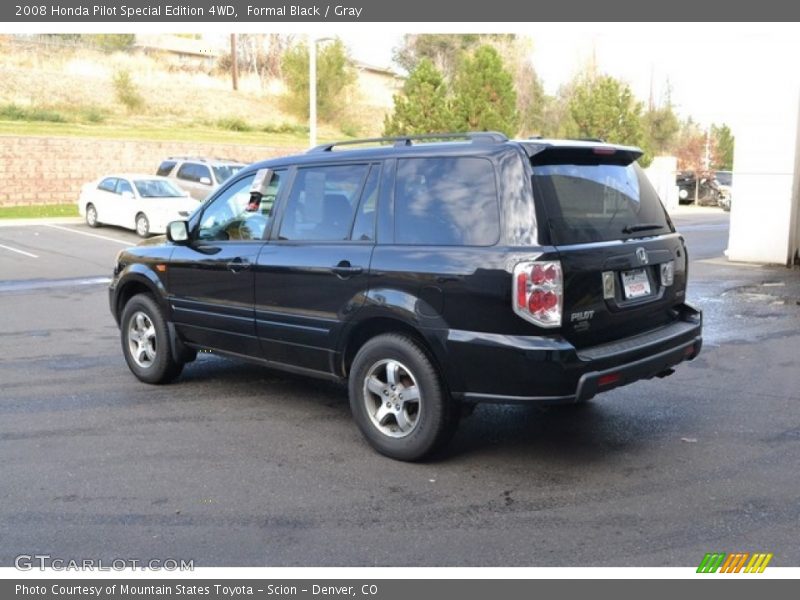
[(344, 269), (238, 264)]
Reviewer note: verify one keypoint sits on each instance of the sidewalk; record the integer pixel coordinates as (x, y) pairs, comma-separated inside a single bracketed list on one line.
[(744, 302), (691, 209)]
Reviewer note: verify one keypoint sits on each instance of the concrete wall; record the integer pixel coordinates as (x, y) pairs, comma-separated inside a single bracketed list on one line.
[(766, 163), (765, 167), (661, 173), (51, 170)]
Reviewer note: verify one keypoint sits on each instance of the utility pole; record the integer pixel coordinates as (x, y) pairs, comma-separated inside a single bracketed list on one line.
[(234, 63)]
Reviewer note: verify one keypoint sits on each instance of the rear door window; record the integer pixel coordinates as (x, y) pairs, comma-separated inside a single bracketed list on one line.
[(109, 184), (597, 202), (446, 202), (165, 167)]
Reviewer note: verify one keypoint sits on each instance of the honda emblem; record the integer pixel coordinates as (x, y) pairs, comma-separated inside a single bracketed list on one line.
[(641, 254)]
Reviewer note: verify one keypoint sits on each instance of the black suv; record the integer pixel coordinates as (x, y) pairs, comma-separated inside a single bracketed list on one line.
[(429, 275)]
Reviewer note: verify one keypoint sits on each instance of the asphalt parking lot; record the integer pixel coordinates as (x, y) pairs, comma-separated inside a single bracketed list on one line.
[(236, 465)]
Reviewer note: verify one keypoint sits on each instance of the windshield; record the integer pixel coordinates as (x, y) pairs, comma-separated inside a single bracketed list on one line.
[(223, 172), (157, 188), (598, 202)]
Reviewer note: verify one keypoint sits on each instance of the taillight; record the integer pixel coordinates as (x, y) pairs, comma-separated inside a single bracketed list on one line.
[(539, 292)]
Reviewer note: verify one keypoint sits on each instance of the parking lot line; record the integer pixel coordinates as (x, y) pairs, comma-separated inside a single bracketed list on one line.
[(18, 251), (94, 235)]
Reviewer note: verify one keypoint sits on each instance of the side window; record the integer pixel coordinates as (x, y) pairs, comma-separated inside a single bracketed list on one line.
[(321, 204), (203, 172), (124, 186), (364, 227), (165, 167), (109, 184), (193, 172), (446, 202), (232, 216)]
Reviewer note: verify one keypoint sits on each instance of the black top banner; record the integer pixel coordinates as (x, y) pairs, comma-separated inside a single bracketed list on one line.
[(443, 11)]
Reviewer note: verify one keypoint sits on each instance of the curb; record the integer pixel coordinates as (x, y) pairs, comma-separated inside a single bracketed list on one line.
[(40, 221)]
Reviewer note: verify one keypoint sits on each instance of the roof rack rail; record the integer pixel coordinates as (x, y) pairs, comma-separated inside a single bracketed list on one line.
[(203, 159), (476, 137), (591, 139)]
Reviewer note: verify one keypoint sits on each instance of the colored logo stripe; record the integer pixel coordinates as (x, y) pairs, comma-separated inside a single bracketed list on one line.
[(711, 562), (758, 563), (733, 563)]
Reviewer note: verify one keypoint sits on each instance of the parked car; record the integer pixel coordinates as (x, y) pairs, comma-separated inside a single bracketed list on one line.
[(427, 276), (704, 192), (725, 184), (144, 203), (198, 176)]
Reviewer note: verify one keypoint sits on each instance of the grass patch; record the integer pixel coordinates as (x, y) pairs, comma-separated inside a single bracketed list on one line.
[(14, 112), (167, 133), (38, 211)]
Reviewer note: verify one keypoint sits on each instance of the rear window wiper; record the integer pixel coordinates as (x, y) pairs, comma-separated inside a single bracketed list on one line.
[(641, 227)]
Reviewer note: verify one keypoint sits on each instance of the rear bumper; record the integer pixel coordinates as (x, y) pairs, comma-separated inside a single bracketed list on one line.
[(511, 369)]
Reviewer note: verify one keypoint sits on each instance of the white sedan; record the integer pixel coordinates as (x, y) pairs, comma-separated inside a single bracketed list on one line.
[(144, 203)]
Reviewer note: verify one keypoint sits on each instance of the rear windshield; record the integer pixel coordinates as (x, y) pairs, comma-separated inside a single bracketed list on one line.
[(598, 202)]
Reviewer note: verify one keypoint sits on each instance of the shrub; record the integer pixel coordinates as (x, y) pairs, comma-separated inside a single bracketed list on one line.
[(234, 124), (334, 74), (126, 91)]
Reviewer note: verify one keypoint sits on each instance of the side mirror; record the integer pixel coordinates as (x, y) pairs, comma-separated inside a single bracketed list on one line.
[(178, 232), (205, 180), (127, 195)]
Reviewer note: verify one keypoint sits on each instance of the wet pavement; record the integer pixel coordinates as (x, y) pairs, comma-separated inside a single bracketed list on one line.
[(235, 465)]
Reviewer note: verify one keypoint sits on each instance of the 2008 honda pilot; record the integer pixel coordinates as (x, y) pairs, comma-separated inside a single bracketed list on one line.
[(427, 274)]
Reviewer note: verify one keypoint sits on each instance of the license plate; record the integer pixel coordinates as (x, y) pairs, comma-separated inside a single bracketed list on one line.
[(635, 283)]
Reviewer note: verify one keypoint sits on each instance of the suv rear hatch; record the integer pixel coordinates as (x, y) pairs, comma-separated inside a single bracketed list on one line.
[(623, 264)]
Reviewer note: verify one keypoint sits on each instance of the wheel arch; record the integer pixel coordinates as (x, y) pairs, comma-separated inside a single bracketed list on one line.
[(431, 343), (135, 281)]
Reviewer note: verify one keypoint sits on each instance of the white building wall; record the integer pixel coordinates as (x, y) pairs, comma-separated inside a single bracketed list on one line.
[(766, 164), (661, 174)]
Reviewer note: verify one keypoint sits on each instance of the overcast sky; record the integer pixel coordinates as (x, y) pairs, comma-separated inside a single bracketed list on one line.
[(706, 65)]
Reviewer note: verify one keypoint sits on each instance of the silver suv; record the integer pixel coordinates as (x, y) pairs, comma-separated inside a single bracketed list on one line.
[(197, 175)]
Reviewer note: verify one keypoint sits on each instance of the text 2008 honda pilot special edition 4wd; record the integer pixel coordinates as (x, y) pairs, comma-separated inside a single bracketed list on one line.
[(427, 274)]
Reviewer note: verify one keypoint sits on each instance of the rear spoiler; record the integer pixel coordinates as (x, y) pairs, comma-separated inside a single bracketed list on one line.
[(584, 153)]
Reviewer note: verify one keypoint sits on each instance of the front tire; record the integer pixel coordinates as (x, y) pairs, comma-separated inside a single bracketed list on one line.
[(145, 341), (398, 400), (142, 225)]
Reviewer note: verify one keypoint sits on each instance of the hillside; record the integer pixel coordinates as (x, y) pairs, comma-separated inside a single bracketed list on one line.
[(68, 89)]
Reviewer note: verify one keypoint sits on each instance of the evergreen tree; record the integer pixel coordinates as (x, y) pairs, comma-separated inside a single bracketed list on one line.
[(484, 96), (603, 107), (723, 138), (422, 106)]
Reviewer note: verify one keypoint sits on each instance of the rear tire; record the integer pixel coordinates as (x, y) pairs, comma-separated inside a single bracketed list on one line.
[(398, 400), (145, 341), (91, 216)]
